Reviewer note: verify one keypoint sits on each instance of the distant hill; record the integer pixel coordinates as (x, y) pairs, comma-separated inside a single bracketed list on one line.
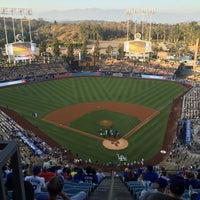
[(116, 15), (65, 32)]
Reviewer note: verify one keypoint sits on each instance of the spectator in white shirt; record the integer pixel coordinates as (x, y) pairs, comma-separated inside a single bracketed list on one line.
[(37, 182)]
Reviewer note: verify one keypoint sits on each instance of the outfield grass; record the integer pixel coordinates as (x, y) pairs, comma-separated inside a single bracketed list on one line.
[(45, 97)]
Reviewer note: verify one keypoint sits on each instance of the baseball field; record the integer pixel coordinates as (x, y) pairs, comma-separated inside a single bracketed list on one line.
[(73, 111)]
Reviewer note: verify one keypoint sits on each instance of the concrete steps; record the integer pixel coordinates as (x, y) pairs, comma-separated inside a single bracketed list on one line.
[(111, 188)]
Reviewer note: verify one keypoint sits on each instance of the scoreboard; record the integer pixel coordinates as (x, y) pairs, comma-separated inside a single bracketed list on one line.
[(137, 48), (21, 50)]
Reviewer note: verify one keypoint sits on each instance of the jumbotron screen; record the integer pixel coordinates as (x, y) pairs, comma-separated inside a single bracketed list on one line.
[(137, 47), (21, 49)]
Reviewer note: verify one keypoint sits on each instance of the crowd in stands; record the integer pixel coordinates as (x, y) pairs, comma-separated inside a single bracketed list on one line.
[(31, 70), (53, 165), (150, 183), (185, 148), (9, 130), (76, 182), (125, 66), (191, 104), (152, 67), (145, 183)]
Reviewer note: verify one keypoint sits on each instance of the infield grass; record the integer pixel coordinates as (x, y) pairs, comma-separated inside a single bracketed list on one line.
[(45, 97), (90, 122)]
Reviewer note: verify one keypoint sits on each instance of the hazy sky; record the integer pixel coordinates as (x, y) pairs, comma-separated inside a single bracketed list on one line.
[(163, 5), (181, 7)]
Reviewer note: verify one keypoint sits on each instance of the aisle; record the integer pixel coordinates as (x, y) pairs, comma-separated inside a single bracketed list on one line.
[(111, 189)]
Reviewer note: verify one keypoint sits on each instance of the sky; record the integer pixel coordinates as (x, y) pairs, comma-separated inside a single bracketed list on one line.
[(169, 10)]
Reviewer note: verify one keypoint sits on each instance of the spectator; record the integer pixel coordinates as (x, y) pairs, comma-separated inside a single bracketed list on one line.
[(6, 170), (138, 173), (67, 174), (59, 173), (46, 174), (9, 184), (79, 177), (55, 189), (149, 174), (194, 195), (158, 186), (90, 176), (130, 176), (174, 191), (189, 179), (74, 171), (165, 174), (37, 182), (100, 175), (124, 174)]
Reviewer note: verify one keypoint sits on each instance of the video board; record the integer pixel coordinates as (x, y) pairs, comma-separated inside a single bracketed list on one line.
[(21, 50), (137, 47)]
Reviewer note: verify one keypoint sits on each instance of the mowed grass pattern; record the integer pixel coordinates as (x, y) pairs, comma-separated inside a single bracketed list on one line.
[(45, 97)]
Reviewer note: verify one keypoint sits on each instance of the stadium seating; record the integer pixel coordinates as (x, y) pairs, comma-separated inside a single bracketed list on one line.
[(7, 125), (135, 187)]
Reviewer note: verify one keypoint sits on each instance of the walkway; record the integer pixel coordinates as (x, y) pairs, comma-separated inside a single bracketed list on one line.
[(111, 189)]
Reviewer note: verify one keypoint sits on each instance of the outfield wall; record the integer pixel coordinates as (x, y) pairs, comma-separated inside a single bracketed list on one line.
[(81, 74)]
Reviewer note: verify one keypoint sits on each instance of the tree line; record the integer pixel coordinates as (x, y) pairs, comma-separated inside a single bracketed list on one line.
[(80, 33)]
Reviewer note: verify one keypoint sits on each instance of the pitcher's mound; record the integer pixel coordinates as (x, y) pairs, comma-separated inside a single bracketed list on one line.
[(115, 145), (106, 123)]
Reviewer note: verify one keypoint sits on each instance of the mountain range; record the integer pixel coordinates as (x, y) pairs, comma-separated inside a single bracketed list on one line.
[(119, 15)]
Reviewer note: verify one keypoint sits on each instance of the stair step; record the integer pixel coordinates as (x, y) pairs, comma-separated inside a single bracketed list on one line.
[(111, 189)]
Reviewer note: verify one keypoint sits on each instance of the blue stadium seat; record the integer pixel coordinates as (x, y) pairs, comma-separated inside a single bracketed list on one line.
[(41, 196), (10, 194), (76, 190)]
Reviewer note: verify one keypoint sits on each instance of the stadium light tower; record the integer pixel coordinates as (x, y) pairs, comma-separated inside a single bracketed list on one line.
[(135, 12), (3, 12), (128, 13), (18, 12), (143, 13), (146, 15), (151, 12)]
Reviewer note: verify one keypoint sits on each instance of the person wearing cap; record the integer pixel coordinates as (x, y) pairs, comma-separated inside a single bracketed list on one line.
[(90, 176), (79, 177), (149, 174), (37, 182), (190, 179), (174, 191), (158, 186)]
